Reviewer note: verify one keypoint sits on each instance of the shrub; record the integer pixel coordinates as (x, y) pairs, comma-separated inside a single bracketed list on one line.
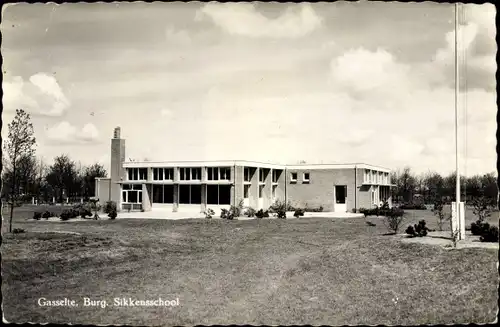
[(37, 215), (110, 208), (236, 210), (482, 207), (278, 206), (209, 213), (47, 214), (393, 219), (299, 213), (112, 215), (281, 214), (319, 209), (226, 214), (66, 214), (439, 212), (490, 234), (419, 230), (411, 206), (410, 230), (262, 214), (250, 212), (479, 227), (84, 210), (18, 231)]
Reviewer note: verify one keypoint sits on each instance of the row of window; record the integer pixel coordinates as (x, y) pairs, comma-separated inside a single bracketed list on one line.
[(246, 191), (194, 174), (305, 177), (375, 177)]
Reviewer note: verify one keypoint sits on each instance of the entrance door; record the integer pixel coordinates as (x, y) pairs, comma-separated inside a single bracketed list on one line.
[(340, 198)]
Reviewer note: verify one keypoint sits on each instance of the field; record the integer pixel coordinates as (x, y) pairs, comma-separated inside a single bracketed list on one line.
[(297, 271)]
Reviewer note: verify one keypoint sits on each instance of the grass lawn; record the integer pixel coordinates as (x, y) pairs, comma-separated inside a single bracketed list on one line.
[(300, 271)]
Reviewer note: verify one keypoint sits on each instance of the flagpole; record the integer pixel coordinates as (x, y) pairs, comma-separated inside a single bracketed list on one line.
[(457, 91)]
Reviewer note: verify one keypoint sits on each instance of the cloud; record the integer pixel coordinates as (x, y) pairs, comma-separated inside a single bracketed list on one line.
[(179, 37), (66, 133), (243, 19), (40, 95), (476, 49)]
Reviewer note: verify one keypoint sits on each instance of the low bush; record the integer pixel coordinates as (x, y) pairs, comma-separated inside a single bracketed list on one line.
[(479, 227), (281, 214), (320, 209), (490, 234), (209, 213), (262, 214), (47, 214), (226, 214), (418, 230), (110, 208), (37, 215), (84, 210), (237, 210), (278, 206), (393, 218), (250, 212), (299, 213), (18, 231), (410, 206)]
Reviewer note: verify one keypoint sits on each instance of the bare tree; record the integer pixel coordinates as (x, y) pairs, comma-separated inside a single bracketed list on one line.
[(20, 142)]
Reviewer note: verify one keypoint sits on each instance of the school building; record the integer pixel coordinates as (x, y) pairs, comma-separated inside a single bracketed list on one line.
[(194, 186)]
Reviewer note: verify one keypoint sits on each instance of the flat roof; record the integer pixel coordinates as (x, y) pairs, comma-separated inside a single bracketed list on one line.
[(229, 163)]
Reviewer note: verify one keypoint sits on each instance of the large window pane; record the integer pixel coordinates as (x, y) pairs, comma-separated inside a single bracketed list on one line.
[(224, 194), (124, 196), (157, 193), (210, 173), (195, 194), (184, 194), (132, 196), (168, 194), (212, 194), (246, 189)]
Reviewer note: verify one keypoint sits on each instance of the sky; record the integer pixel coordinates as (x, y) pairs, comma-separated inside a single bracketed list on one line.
[(343, 82)]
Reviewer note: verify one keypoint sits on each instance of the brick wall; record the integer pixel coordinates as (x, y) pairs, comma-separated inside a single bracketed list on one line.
[(320, 189)]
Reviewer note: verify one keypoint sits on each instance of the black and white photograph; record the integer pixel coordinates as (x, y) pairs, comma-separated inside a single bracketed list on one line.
[(249, 163)]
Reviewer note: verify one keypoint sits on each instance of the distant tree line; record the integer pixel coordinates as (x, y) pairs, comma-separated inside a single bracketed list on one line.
[(24, 176), (431, 187)]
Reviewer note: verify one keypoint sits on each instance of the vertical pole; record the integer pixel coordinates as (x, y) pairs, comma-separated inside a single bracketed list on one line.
[(458, 212)]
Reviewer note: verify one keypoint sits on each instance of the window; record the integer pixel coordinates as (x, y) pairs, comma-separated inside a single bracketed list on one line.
[(196, 174), (163, 194), (246, 191), (262, 175), (131, 193), (162, 174), (247, 174), (218, 194), (306, 178), (187, 174), (225, 173), (366, 178), (276, 175), (212, 174), (274, 191), (261, 191), (190, 194), (137, 174), (293, 177)]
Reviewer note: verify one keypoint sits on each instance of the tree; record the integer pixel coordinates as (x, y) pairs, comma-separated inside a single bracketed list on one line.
[(62, 176), (405, 184), (434, 184), (20, 142), (90, 174)]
